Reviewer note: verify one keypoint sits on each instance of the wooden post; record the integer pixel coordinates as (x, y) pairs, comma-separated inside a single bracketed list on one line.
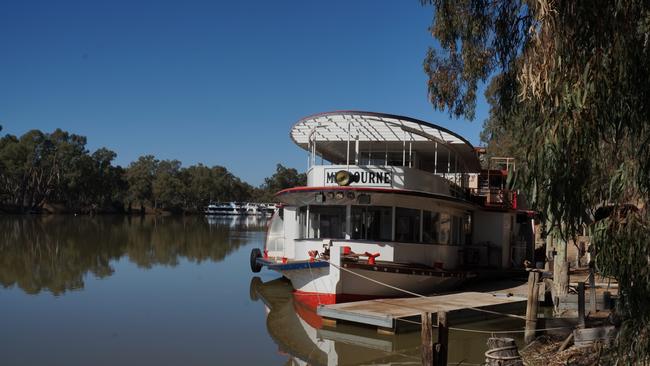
[(561, 271), (592, 291), (502, 352), (531, 306), (443, 339), (427, 340), (581, 304)]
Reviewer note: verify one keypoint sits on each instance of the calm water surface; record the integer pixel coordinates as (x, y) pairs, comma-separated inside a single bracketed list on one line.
[(167, 291)]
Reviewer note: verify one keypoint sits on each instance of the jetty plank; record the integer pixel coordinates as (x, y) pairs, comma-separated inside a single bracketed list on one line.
[(384, 312)]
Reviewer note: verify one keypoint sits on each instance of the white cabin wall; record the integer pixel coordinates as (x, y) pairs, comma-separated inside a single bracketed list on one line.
[(428, 254)]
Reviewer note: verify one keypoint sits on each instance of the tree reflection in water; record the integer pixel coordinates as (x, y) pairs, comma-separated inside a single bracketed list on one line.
[(54, 253)]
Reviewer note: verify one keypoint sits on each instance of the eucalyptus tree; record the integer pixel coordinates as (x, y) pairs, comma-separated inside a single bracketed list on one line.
[(569, 81), (140, 175), (282, 178)]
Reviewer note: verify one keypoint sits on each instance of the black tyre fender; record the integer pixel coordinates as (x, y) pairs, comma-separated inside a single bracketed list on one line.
[(255, 253)]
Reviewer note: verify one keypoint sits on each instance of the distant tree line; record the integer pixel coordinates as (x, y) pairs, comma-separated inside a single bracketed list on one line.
[(56, 171)]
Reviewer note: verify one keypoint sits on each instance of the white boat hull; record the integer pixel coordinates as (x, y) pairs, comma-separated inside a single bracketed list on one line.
[(325, 287)]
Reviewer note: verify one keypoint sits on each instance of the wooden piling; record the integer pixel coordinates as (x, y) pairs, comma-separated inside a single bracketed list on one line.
[(581, 304), (531, 306), (592, 291), (443, 338), (427, 340), (502, 352)]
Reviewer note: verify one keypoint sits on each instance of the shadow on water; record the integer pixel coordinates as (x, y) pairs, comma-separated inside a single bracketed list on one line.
[(54, 253)]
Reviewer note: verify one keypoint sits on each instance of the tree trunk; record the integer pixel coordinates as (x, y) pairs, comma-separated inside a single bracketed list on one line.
[(560, 272)]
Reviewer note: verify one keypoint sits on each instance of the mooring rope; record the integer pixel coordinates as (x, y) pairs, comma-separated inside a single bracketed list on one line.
[(373, 280), (483, 331), (416, 294), (314, 280)]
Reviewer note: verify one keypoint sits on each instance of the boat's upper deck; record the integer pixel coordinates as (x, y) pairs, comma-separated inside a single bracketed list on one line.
[(384, 150)]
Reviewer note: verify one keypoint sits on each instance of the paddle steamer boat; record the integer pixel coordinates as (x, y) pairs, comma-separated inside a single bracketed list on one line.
[(391, 203)]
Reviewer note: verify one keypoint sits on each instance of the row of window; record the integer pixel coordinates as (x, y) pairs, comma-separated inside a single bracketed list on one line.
[(376, 223)]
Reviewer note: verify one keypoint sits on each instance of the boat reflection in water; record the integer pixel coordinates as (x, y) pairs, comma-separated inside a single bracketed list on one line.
[(300, 333), (238, 222)]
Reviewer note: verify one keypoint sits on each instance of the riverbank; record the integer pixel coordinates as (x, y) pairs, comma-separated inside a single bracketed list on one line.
[(547, 351)]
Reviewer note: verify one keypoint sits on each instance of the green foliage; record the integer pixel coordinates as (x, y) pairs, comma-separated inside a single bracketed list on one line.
[(55, 167), (283, 178), (140, 176), (40, 168), (569, 89)]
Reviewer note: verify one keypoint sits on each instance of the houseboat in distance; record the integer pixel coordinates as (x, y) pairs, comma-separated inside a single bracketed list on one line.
[(392, 204), (237, 209), (226, 209)]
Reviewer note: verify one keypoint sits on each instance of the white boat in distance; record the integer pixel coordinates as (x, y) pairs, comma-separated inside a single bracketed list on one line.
[(235, 208), (395, 204)]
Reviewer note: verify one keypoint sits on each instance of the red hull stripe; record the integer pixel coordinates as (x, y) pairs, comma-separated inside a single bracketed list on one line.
[(371, 189), (313, 299)]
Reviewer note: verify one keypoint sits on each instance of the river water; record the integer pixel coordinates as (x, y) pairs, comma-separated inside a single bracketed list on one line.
[(150, 290)]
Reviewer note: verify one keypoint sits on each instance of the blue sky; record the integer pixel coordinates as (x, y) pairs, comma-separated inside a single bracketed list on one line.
[(214, 82)]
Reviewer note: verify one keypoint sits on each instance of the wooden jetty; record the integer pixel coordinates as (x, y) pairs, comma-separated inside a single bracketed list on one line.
[(387, 313)]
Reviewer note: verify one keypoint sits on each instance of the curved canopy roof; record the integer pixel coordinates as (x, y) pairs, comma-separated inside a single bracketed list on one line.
[(379, 132)]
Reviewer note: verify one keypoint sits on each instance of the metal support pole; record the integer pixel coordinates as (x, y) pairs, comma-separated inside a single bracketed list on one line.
[(386, 163), (456, 168), (347, 159), (435, 159), (404, 149), (356, 150)]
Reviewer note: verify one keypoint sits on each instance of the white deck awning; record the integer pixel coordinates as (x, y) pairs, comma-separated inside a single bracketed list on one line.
[(330, 135)]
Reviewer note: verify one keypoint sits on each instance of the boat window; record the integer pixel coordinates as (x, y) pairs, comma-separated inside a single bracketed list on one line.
[(371, 222), (302, 222), (430, 223), (391, 158), (445, 228), (456, 230), (326, 222), (407, 225), (467, 228)]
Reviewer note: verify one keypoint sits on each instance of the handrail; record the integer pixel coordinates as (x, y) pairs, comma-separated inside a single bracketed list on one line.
[(494, 197)]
